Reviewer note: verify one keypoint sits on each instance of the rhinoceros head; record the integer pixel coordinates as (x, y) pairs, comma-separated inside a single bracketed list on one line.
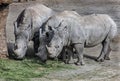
[(20, 46), (55, 46)]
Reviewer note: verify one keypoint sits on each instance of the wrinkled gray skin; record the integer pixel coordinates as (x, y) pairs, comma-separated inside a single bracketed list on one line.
[(80, 31), (27, 24)]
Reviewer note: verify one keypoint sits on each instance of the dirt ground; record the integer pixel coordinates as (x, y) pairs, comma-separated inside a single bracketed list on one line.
[(3, 17), (92, 71)]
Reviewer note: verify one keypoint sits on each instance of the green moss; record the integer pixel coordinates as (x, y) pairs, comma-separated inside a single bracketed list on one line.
[(12, 70)]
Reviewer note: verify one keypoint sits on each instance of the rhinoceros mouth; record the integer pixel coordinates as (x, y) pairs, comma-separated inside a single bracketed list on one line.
[(18, 54)]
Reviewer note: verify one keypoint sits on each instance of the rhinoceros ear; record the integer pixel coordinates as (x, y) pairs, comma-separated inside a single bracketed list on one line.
[(16, 30)]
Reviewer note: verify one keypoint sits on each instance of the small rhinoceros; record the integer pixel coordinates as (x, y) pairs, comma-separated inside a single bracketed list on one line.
[(80, 31), (27, 24)]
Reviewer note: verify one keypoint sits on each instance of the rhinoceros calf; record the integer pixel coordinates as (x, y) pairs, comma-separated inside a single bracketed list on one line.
[(80, 31), (27, 24)]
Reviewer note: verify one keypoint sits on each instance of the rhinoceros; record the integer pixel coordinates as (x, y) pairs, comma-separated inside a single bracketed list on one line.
[(42, 52), (27, 24), (80, 31)]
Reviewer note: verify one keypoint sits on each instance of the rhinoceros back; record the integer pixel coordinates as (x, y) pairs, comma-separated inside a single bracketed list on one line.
[(32, 18), (97, 28), (40, 15)]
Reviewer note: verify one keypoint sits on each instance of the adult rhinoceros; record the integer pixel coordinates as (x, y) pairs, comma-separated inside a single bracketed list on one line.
[(27, 24), (71, 29)]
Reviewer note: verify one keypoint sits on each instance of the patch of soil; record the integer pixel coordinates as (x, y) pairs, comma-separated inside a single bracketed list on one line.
[(3, 18)]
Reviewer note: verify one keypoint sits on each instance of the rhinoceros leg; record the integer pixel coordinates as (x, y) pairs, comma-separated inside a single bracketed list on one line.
[(69, 55), (66, 55), (106, 57), (105, 50), (79, 50)]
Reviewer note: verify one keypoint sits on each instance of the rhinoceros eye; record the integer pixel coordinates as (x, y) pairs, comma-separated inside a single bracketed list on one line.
[(56, 46), (50, 28)]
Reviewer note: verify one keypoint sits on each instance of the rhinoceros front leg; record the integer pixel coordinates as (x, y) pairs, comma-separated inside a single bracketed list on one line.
[(105, 51), (68, 55), (79, 50)]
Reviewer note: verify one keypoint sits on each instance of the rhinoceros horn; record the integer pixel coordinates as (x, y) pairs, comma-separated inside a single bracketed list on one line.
[(47, 46)]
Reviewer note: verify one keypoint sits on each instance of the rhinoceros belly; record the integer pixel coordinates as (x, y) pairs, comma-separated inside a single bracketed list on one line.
[(95, 36)]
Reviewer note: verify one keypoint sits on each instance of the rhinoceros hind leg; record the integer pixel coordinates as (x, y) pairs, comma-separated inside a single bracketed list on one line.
[(106, 57), (105, 50)]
